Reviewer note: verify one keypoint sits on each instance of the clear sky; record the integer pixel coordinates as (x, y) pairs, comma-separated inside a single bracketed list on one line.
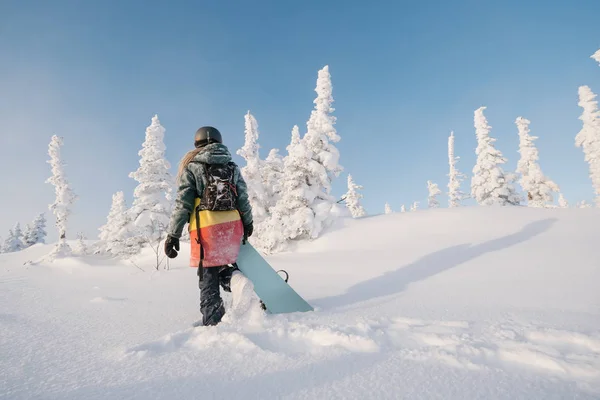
[(405, 73)]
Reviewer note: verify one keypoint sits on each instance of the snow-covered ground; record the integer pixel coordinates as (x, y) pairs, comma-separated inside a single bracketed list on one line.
[(473, 303)]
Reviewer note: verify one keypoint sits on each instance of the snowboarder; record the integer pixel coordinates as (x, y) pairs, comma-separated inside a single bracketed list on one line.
[(213, 198)]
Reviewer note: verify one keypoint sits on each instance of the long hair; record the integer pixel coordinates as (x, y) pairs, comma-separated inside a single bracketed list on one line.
[(186, 160)]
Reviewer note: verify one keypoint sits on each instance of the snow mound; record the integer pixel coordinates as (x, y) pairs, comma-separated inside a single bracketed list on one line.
[(495, 303)]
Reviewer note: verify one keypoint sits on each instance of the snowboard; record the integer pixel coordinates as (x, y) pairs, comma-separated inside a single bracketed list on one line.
[(277, 296)]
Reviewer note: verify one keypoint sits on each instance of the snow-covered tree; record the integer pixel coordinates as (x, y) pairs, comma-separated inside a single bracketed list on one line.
[(80, 247), (150, 211), (14, 240), (562, 202), (319, 139), (434, 192), (584, 204), (306, 204), (252, 170), (538, 187), (116, 236), (388, 208), (455, 195), (291, 217), (589, 136), (414, 206), (28, 239), (64, 196), (272, 177), (402, 208), (490, 185), (35, 232), (596, 56), (352, 199)]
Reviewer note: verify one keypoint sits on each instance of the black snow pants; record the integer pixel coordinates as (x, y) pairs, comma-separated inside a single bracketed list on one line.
[(211, 303)]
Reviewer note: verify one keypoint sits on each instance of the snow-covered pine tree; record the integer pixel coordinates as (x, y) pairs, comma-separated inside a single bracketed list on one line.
[(64, 197), (589, 136), (319, 139), (584, 204), (115, 236), (291, 217), (455, 195), (490, 185), (596, 56), (7, 245), (35, 232), (14, 240), (39, 228), (80, 247), (28, 236), (150, 211), (352, 199), (388, 208), (414, 207), (537, 186), (402, 208), (272, 176), (562, 202), (252, 170), (434, 192)]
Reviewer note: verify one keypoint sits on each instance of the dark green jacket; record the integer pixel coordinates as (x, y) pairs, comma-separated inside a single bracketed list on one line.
[(192, 183)]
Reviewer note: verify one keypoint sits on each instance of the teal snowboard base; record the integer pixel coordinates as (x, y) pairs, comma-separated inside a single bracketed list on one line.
[(276, 294)]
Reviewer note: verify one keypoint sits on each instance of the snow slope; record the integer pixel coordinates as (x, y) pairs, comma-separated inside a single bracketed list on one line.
[(472, 303)]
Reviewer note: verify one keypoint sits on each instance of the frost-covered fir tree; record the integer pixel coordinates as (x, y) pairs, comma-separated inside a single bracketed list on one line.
[(434, 192), (584, 204), (64, 197), (352, 199), (319, 139), (538, 187), (252, 170), (80, 247), (402, 208), (150, 211), (596, 56), (291, 217), (388, 208), (14, 240), (8, 244), (414, 206), (115, 236), (455, 195), (36, 231), (272, 176), (589, 136), (490, 185), (562, 202), (28, 236)]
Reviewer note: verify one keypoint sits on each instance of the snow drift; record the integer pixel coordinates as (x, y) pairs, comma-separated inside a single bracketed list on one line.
[(462, 303)]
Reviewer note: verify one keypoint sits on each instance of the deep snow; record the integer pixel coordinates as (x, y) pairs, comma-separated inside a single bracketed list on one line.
[(472, 303)]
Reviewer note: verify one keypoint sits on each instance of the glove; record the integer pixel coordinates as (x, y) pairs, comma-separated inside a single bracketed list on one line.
[(248, 229), (171, 246)]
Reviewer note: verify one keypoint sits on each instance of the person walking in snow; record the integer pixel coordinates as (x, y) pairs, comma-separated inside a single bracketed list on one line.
[(213, 198)]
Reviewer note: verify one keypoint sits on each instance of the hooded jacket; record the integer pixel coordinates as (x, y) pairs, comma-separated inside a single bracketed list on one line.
[(191, 184)]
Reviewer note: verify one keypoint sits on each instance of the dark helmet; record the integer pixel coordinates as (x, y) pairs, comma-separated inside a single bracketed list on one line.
[(206, 135)]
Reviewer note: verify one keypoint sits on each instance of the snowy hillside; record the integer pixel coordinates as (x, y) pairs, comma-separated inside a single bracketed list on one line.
[(474, 303)]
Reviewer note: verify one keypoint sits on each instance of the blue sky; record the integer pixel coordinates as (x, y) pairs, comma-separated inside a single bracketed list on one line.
[(404, 75)]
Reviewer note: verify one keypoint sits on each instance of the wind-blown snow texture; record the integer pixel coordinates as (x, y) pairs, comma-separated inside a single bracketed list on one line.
[(462, 303)]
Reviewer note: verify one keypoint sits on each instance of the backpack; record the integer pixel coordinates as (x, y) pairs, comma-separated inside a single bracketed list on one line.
[(220, 193)]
